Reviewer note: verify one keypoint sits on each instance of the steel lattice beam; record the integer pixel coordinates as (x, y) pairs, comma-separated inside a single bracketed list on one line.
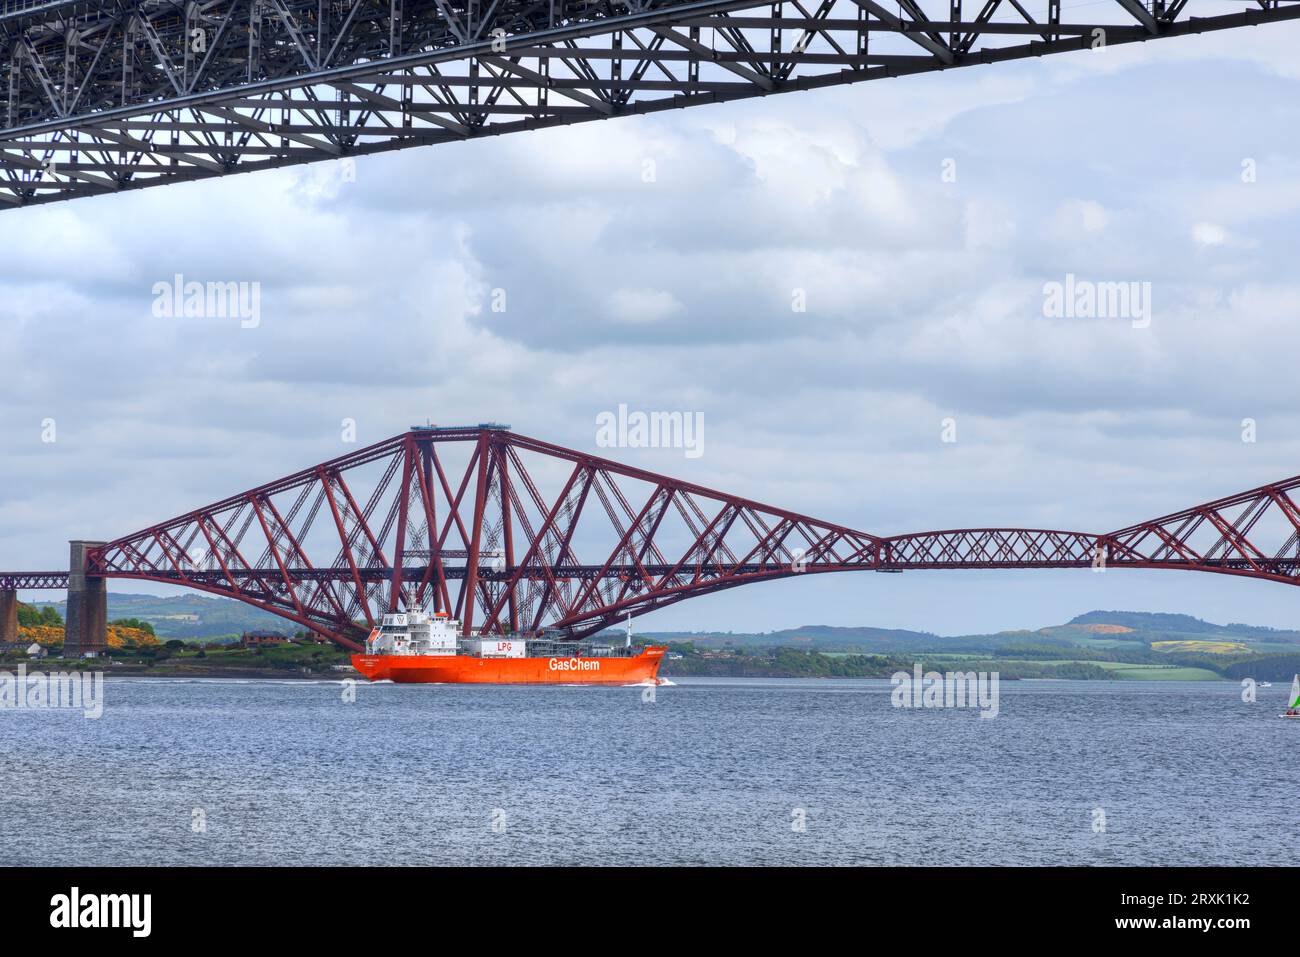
[(514, 535), (101, 96), (454, 518), (10, 581)]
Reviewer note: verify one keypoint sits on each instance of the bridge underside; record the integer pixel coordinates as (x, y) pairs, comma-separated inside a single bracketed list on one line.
[(512, 535), (101, 96)]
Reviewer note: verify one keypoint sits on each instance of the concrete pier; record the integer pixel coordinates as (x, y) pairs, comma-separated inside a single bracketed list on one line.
[(87, 620), (8, 616)]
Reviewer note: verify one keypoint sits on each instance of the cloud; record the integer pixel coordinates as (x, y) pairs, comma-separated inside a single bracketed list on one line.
[(1209, 234), (661, 262), (638, 306)]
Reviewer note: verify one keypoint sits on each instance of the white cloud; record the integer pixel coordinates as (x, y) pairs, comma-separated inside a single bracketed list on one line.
[(639, 306), (1209, 234), (924, 301)]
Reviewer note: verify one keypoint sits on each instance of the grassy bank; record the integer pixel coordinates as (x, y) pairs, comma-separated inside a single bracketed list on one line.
[(687, 661), (176, 659)]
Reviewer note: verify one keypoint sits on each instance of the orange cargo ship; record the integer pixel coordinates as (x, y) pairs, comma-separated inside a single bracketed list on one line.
[(415, 648), (466, 669)]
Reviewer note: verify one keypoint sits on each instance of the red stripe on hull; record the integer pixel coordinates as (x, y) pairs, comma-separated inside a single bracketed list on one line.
[(463, 669)]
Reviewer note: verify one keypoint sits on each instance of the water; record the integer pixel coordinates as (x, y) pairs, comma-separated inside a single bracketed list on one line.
[(712, 771)]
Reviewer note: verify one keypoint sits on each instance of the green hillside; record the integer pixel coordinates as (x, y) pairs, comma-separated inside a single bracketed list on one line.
[(1185, 626), (189, 616), (1118, 645), (1096, 630)]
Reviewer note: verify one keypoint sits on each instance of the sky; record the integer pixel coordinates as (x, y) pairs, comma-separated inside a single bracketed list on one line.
[(917, 220)]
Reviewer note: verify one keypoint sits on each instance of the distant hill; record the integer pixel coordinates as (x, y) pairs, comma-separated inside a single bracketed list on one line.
[(813, 637), (1145, 621), (1095, 629), (189, 616), (1158, 623), (203, 616), (859, 639)]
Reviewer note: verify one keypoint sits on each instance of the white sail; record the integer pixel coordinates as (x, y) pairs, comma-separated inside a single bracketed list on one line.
[(1295, 692)]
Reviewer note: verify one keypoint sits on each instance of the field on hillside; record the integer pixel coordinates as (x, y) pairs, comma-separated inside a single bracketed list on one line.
[(1204, 647)]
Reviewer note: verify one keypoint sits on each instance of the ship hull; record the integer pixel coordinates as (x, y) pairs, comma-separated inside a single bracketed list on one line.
[(464, 669)]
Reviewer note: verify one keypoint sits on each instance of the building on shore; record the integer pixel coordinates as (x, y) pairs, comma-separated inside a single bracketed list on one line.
[(257, 639)]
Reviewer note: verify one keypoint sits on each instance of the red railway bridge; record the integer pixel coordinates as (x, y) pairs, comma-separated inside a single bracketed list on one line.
[(510, 534)]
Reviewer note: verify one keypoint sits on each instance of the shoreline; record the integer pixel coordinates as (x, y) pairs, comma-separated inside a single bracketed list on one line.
[(48, 665), (286, 674), (234, 673)]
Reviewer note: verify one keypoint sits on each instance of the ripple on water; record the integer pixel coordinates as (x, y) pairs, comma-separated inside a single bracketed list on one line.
[(704, 771)]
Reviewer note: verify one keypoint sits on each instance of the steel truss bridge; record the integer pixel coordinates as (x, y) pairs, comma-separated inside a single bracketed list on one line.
[(513, 535), (101, 96)]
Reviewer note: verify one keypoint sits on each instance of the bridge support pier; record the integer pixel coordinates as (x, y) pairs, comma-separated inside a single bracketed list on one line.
[(87, 621), (8, 616)]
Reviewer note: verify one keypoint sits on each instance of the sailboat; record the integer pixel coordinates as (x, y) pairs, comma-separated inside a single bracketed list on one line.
[(1293, 699)]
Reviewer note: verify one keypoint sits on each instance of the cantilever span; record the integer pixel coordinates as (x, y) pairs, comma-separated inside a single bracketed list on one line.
[(102, 97), (510, 534)]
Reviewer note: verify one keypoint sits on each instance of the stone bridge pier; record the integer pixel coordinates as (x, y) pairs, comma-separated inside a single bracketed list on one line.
[(87, 619), (8, 616)]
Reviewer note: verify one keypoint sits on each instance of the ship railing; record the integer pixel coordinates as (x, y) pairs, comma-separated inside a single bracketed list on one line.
[(541, 648)]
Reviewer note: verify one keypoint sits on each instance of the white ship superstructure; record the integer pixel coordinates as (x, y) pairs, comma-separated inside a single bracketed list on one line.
[(415, 633)]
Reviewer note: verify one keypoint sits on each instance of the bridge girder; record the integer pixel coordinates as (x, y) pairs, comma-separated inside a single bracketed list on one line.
[(494, 527), (456, 520), (102, 96)]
